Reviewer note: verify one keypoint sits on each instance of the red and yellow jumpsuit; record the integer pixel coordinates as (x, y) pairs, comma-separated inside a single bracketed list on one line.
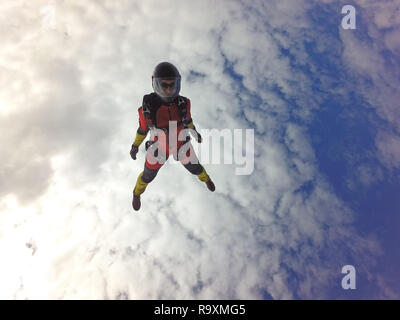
[(160, 117)]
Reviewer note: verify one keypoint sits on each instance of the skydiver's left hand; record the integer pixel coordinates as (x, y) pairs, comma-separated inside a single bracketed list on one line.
[(196, 135), (199, 139)]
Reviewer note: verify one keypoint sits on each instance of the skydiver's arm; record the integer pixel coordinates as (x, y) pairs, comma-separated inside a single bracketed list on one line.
[(139, 138), (142, 130), (141, 134), (190, 124)]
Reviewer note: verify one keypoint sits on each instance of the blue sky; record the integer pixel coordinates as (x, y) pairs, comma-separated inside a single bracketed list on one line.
[(343, 136), (342, 133), (323, 104)]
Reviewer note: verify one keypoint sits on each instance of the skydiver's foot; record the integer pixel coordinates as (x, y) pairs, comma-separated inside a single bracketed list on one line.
[(210, 185), (136, 202)]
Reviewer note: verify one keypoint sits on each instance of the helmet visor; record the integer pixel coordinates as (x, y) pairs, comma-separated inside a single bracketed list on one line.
[(167, 87)]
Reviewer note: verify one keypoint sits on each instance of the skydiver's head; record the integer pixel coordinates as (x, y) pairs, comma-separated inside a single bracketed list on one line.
[(166, 81)]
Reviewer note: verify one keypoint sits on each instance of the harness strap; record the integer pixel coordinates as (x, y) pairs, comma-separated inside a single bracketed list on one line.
[(182, 107)]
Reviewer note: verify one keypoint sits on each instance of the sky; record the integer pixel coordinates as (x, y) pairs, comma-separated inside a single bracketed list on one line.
[(321, 100)]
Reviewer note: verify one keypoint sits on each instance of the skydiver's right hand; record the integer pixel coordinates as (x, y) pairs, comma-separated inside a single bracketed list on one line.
[(134, 151)]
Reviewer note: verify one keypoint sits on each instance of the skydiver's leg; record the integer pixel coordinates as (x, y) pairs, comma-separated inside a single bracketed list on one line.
[(151, 167), (192, 164), (201, 173), (145, 177), (150, 171)]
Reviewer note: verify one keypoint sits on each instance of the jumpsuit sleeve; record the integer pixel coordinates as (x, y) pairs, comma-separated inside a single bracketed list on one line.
[(142, 130), (190, 124), (143, 127)]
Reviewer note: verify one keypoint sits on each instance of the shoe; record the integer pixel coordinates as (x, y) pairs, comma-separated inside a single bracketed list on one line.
[(136, 202), (210, 185)]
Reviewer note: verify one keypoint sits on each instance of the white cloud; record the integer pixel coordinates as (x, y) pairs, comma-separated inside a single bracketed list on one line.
[(389, 147), (372, 55)]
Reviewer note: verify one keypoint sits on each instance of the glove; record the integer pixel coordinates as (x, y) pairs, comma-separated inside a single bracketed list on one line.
[(196, 135), (194, 132), (134, 151)]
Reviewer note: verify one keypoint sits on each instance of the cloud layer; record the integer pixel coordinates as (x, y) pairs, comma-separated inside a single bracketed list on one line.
[(68, 116)]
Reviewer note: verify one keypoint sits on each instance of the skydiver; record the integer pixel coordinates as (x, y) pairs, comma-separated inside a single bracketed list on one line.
[(157, 110)]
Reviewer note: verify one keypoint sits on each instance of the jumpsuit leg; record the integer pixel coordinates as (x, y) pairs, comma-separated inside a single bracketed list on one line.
[(145, 177), (192, 164), (150, 171)]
